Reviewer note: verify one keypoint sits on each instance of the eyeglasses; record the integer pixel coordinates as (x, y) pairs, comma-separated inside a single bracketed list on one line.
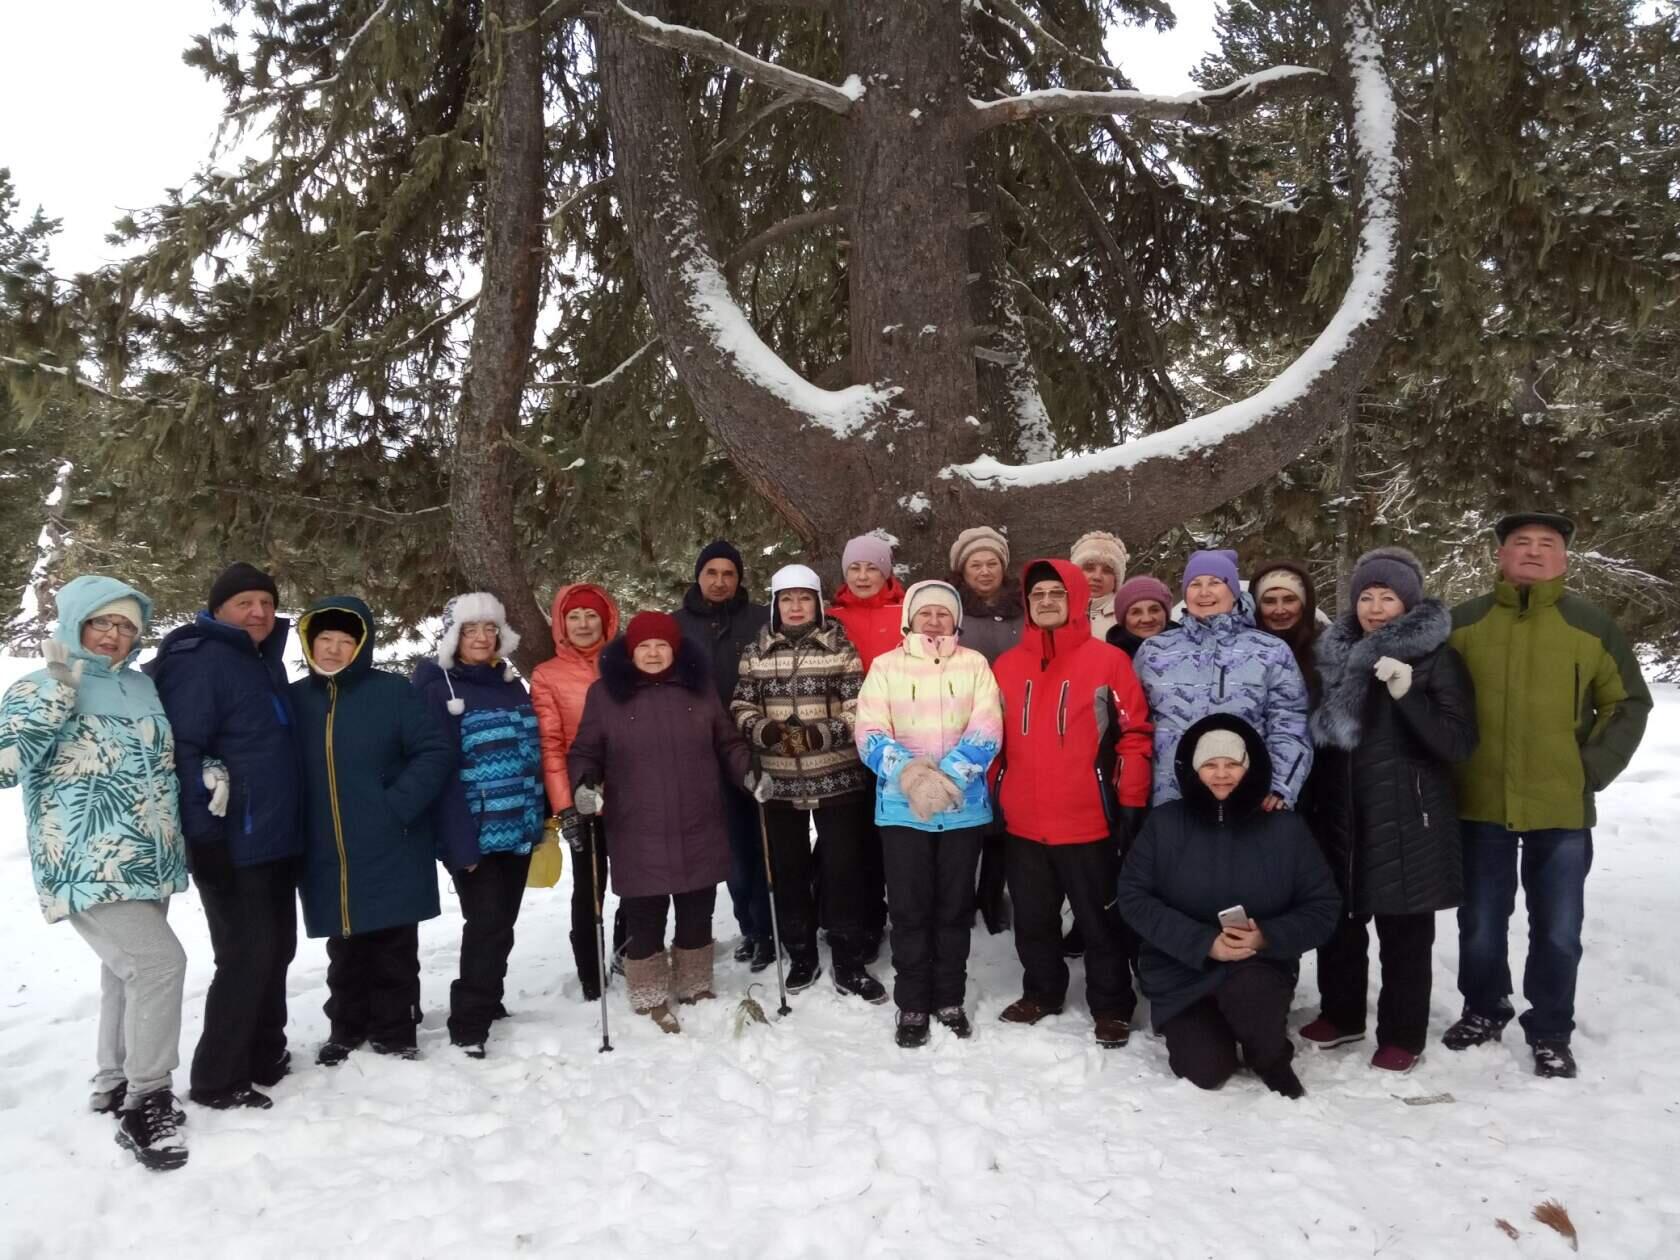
[(122, 625)]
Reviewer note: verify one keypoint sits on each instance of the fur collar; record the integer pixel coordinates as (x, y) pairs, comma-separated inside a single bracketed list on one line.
[(622, 678), (1346, 656)]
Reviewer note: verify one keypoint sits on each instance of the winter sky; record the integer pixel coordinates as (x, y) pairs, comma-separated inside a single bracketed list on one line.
[(98, 113)]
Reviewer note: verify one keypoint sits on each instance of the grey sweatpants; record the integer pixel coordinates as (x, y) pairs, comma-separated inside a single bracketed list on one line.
[(142, 972)]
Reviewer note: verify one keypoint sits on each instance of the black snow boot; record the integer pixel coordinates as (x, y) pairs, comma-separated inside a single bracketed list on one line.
[(230, 1099), (273, 1073), (855, 981), (763, 955), (472, 1047), (744, 949), (1554, 1060), (956, 1019), (108, 1102), (1282, 1080), (1472, 1030), (803, 972), (332, 1053), (150, 1130), (912, 1029)]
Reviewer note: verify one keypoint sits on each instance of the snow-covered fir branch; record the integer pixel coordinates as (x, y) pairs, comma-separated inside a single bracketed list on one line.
[(1235, 100)]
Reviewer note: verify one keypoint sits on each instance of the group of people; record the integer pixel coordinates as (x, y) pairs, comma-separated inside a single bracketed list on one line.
[(1214, 785)]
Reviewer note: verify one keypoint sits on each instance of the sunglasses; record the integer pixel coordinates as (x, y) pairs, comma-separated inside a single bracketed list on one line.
[(122, 625)]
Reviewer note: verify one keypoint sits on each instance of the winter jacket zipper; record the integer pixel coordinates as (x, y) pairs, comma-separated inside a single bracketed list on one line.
[(338, 821)]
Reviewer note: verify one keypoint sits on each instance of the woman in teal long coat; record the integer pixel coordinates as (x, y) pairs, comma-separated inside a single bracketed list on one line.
[(374, 760)]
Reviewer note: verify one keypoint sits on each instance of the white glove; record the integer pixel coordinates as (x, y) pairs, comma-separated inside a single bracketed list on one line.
[(60, 668), (588, 800), (1397, 674), (216, 781), (927, 789), (761, 787)]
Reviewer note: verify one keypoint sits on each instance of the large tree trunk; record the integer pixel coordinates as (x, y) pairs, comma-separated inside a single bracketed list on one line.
[(902, 450), (482, 485)]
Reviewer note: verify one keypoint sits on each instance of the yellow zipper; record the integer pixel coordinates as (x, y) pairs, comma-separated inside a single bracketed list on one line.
[(338, 823)]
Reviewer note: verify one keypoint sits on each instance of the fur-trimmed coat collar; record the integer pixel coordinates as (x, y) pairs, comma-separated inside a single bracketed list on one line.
[(621, 677), (1346, 656)]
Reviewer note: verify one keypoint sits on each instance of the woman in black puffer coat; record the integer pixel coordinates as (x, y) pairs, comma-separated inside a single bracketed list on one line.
[(1397, 710)]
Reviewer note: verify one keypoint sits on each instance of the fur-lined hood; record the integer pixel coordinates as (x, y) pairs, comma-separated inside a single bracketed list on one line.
[(1346, 656), (621, 677)]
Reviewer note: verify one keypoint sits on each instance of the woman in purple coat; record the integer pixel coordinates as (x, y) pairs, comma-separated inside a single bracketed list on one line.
[(643, 759)]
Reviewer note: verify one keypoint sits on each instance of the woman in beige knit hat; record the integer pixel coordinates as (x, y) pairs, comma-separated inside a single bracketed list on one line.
[(1102, 557)]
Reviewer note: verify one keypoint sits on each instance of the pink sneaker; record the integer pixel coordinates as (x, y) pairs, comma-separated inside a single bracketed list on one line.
[(1394, 1059), (1326, 1036)]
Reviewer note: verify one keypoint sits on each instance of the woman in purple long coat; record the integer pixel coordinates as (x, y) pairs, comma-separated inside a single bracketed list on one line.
[(643, 758)]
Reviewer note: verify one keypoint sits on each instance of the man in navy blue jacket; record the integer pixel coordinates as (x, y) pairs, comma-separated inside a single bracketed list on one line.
[(224, 687)]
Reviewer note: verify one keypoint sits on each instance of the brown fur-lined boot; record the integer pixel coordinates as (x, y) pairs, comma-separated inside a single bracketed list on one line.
[(694, 974), (649, 983)]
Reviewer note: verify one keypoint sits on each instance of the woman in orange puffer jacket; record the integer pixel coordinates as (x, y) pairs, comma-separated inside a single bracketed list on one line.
[(585, 620)]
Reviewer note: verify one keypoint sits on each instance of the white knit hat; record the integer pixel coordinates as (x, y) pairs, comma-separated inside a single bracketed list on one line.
[(931, 592), (795, 577), (980, 538), (1219, 743), (464, 610), (1103, 547), (127, 606)]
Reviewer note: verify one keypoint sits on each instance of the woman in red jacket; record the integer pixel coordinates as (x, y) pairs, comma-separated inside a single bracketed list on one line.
[(1073, 786), (585, 620)]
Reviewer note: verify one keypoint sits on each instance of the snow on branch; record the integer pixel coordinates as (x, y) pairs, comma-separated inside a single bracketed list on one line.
[(75, 378), (284, 90), (607, 380), (697, 43), (1370, 288), (1217, 105)]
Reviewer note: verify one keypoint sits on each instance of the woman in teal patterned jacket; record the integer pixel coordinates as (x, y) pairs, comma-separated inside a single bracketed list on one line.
[(88, 741)]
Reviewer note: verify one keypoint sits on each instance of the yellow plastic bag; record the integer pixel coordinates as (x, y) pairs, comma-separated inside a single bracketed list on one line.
[(548, 859)]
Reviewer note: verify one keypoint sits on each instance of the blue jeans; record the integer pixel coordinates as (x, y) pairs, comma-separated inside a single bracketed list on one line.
[(749, 891), (1554, 865)]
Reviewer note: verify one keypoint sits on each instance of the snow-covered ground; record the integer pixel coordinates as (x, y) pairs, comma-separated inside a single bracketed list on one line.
[(815, 1136)]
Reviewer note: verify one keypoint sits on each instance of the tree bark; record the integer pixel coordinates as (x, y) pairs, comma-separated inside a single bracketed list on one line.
[(482, 483)]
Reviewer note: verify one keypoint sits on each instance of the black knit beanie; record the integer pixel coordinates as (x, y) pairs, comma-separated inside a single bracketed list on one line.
[(236, 579), (720, 549)]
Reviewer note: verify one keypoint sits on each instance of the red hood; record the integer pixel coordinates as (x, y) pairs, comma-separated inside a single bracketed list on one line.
[(1048, 644), (557, 616)]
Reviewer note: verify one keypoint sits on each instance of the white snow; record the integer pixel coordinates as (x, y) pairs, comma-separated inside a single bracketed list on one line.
[(1127, 98), (843, 412), (915, 503), (815, 1136), (852, 86), (1372, 274)]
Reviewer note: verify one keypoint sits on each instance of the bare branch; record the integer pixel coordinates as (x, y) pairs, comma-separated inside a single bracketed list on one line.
[(790, 226), (685, 39), (364, 511), (286, 90), (573, 196), (611, 378), (734, 139), (1218, 105)]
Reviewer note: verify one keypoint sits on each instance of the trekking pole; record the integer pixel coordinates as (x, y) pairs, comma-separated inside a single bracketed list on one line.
[(775, 927), (600, 927)]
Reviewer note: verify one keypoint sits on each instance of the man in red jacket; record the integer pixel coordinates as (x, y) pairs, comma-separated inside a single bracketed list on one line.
[(1073, 788)]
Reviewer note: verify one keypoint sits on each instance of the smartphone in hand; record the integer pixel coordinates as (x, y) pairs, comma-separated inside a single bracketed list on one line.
[(1233, 917)]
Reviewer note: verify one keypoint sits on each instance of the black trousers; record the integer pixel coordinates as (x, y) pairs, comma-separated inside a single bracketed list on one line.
[(583, 907), (373, 986), (644, 921), (846, 899), (252, 917), (1250, 1010), (930, 893), (490, 896), (1040, 876), (993, 880), (1405, 943)]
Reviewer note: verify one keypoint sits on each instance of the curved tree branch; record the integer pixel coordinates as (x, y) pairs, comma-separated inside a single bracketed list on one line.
[(1217, 105), (784, 434), (794, 224), (685, 39), (1156, 481)]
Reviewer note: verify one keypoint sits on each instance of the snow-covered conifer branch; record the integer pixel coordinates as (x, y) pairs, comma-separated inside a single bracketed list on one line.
[(686, 39), (1217, 105)]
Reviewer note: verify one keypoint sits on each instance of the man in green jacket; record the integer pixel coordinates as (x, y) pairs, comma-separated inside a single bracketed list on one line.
[(1561, 706)]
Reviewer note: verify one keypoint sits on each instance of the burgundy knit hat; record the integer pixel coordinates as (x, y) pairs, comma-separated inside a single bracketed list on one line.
[(652, 625), (1143, 586)]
